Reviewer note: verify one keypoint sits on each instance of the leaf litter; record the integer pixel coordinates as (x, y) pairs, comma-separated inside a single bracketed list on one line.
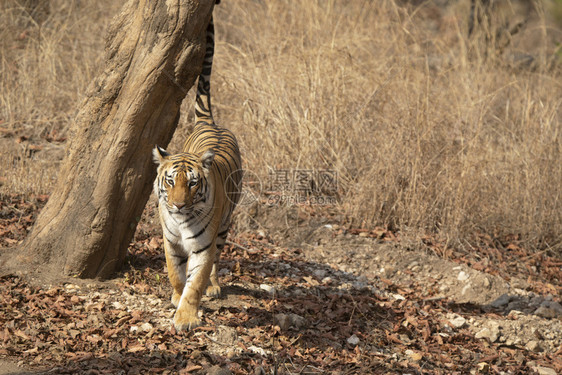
[(312, 318)]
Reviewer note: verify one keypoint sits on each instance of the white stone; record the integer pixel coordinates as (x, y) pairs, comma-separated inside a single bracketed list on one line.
[(458, 321), (319, 273), (268, 288), (544, 370), (463, 276), (257, 350), (353, 340)]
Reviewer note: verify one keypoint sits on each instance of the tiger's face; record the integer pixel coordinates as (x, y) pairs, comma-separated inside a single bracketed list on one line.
[(182, 181)]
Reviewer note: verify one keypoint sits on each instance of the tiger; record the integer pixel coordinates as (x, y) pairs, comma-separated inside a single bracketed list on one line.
[(197, 191)]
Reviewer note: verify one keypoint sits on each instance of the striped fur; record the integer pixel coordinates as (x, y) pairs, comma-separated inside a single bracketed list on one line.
[(197, 191)]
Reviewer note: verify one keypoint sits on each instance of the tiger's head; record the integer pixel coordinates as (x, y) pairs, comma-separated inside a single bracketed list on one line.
[(182, 180)]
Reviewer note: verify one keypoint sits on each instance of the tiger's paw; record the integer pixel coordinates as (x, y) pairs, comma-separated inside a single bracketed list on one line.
[(176, 299), (186, 322), (213, 291)]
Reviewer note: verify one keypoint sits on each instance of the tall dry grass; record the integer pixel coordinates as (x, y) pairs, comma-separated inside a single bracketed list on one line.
[(429, 131), (49, 52)]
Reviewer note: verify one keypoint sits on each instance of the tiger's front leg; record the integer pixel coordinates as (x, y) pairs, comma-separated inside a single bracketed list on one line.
[(214, 289), (198, 271), (176, 264)]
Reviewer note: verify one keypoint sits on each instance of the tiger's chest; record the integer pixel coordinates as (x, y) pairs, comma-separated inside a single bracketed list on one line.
[(190, 234)]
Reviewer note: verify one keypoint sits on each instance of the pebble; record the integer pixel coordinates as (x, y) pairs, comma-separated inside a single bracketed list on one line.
[(71, 288), (217, 370), (501, 301), (557, 307), (483, 367), (534, 346), (257, 350), (457, 321), (145, 327), (491, 333), (546, 312), (463, 276), (353, 340), (285, 321), (413, 264), (544, 370), (512, 341), (268, 288), (319, 273), (414, 356), (297, 321)]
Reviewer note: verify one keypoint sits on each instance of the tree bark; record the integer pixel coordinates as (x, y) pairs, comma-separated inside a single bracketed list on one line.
[(154, 52)]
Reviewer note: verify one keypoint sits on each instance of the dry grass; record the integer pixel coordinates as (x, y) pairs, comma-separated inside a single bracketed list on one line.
[(49, 52), (430, 132)]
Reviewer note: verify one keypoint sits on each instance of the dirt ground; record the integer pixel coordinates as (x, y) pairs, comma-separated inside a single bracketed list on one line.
[(308, 297)]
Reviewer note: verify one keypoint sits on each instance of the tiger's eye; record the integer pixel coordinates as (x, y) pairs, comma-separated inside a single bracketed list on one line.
[(192, 183)]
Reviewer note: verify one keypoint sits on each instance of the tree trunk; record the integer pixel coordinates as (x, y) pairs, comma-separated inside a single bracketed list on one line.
[(154, 52)]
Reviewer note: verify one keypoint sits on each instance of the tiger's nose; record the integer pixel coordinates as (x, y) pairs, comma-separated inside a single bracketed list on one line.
[(179, 205)]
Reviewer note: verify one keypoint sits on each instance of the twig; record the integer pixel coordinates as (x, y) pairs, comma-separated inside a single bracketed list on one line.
[(241, 247), (215, 341)]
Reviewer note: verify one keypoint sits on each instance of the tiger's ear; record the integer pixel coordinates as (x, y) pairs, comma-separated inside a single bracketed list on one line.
[(207, 159), (159, 154)]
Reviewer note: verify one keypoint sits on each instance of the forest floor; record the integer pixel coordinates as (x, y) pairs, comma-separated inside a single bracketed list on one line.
[(318, 298)]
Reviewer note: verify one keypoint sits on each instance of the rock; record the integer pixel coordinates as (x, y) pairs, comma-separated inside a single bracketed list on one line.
[(490, 333), (319, 274), (554, 306), (544, 370), (268, 288), (463, 276), (283, 321), (414, 356), (534, 346), (546, 312), (457, 321), (257, 350), (145, 327), (502, 300), (217, 370), (483, 368), (226, 335), (297, 321), (413, 265), (353, 340)]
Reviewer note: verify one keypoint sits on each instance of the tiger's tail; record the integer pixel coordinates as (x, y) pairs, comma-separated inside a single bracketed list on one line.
[(203, 113)]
